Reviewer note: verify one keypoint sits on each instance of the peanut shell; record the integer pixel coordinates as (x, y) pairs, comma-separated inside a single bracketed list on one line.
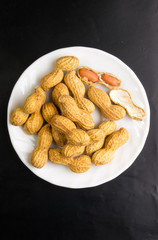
[(78, 90), (59, 138), (123, 98), (45, 137), (48, 111), (55, 156), (78, 137), (34, 101), (112, 143), (51, 79), (98, 138), (59, 90), (67, 63), (80, 164), (18, 116), (70, 150), (102, 100), (39, 157), (70, 110), (62, 124), (108, 127), (33, 123)]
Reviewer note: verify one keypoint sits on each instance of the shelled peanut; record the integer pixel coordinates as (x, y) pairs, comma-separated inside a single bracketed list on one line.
[(93, 78), (88, 75)]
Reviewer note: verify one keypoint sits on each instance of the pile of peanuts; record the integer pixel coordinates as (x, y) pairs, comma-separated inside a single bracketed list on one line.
[(67, 119)]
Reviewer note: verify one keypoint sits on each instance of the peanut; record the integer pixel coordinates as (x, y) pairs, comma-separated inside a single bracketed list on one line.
[(67, 63), (51, 79), (18, 117), (123, 98), (93, 78), (55, 156), (67, 127), (34, 101), (33, 123), (70, 150), (70, 110), (39, 155), (59, 138), (78, 165), (78, 90), (110, 79), (98, 135), (48, 111), (97, 138), (62, 124), (102, 100), (88, 75), (112, 143), (59, 90)]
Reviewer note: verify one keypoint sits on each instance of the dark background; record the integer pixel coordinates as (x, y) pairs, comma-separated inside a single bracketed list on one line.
[(125, 208)]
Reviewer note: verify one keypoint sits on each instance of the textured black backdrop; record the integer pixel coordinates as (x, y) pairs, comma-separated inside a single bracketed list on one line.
[(125, 208)]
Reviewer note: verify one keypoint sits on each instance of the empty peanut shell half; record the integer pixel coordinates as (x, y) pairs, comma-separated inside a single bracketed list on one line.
[(123, 98), (93, 78)]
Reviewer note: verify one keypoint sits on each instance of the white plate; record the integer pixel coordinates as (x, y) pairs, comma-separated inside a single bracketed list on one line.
[(124, 157)]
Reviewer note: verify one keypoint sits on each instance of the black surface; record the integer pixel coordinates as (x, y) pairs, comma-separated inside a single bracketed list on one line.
[(125, 208)]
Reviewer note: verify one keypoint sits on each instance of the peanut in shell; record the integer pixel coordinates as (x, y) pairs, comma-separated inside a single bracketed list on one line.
[(33, 123), (67, 63), (112, 143), (98, 136), (39, 155), (70, 150), (59, 90), (34, 101), (69, 109), (80, 164), (78, 90), (51, 79), (48, 111), (102, 100), (18, 117)]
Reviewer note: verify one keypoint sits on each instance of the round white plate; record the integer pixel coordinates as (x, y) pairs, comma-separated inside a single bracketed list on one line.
[(124, 156)]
